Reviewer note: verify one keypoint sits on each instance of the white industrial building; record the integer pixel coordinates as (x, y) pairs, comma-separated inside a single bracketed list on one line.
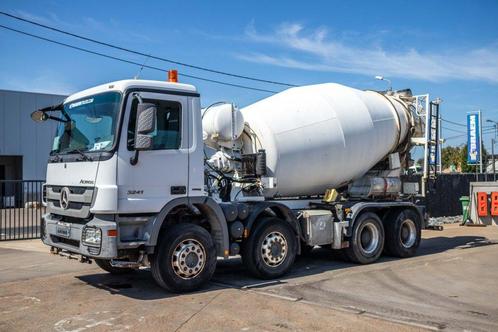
[(24, 144)]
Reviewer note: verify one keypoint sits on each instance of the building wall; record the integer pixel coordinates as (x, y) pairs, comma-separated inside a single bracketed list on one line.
[(20, 136)]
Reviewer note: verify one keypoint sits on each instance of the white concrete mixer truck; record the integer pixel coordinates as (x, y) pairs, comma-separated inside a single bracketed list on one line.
[(140, 175)]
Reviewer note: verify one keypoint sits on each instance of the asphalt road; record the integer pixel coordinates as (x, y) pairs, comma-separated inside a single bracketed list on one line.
[(451, 285)]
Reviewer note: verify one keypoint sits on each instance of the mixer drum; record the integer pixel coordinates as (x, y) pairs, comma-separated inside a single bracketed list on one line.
[(323, 136)]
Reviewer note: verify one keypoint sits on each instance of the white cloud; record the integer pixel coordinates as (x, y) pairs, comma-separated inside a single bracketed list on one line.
[(317, 50), (51, 18)]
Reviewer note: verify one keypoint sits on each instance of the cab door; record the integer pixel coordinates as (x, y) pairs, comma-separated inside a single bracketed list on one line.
[(161, 173)]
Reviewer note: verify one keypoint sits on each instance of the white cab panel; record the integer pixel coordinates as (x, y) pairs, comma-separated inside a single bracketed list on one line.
[(72, 173), (106, 197), (146, 187), (196, 149)]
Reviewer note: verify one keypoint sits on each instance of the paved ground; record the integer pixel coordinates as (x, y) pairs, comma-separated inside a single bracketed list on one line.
[(452, 285)]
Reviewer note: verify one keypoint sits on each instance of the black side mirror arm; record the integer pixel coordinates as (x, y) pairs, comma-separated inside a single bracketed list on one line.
[(134, 159)]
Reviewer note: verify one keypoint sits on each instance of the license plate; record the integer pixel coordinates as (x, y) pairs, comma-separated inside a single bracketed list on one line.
[(63, 230)]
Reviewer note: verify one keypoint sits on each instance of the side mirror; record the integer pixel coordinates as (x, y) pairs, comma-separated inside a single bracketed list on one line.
[(145, 125), (39, 116)]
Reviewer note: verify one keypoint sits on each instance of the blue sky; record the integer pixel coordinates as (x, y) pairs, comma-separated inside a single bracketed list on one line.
[(446, 48)]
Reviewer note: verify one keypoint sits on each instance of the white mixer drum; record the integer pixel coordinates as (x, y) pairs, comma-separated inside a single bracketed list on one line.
[(323, 136)]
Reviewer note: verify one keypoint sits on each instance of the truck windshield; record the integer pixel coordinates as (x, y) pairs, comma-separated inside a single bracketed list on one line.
[(91, 125)]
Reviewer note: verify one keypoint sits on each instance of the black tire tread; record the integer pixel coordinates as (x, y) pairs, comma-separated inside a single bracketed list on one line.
[(250, 254), (392, 226), (354, 255), (170, 238)]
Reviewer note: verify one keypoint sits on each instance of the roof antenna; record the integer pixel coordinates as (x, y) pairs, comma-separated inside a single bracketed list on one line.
[(137, 76)]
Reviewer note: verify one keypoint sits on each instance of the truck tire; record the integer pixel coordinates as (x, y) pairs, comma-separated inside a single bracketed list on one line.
[(367, 240), (403, 233), (185, 258), (271, 249), (105, 264)]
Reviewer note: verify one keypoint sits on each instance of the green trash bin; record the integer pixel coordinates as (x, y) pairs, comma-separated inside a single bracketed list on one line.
[(464, 200)]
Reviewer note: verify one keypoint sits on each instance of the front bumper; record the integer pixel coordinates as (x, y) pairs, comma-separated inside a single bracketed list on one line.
[(72, 242)]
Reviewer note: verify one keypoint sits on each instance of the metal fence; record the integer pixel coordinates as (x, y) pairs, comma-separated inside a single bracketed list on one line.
[(21, 202), (21, 209), (443, 195)]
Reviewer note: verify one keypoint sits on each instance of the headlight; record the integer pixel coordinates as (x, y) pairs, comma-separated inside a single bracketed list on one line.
[(92, 236)]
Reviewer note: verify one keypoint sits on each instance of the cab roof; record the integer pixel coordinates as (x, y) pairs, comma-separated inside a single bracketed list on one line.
[(123, 85)]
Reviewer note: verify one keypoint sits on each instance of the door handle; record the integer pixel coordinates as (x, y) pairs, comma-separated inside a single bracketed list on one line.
[(178, 190)]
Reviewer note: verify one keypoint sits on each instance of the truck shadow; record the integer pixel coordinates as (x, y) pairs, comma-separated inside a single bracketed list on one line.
[(232, 274)]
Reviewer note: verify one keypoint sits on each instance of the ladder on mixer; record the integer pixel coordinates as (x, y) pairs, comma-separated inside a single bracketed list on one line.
[(433, 141), (431, 153)]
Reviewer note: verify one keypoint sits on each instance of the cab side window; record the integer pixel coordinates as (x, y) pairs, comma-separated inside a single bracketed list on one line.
[(167, 135)]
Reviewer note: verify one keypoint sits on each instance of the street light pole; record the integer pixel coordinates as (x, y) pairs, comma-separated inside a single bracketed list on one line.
[(493, 155), (493, 141), (382, 78)]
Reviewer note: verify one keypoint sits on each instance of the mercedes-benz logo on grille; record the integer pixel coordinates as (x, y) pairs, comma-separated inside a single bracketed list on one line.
[(64, 200)]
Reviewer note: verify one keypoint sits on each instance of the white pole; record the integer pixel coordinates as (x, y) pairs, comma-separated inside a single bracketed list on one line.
[(426, 145), (480, 139), (440, 138)]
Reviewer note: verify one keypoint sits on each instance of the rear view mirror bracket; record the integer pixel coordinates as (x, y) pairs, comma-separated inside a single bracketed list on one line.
[(145, 125), (42, 114)]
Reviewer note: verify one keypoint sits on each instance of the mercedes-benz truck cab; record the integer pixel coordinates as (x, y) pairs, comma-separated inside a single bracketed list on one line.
[(96, 177)]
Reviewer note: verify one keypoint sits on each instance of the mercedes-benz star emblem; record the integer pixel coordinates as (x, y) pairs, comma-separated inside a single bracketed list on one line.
[(64, 200)]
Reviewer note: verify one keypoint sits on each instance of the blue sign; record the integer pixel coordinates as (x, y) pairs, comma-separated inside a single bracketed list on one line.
[(473, 138), (433, 134)]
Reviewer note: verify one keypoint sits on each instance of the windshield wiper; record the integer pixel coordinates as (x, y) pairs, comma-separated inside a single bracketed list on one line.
[(54, 156), (85, 157)]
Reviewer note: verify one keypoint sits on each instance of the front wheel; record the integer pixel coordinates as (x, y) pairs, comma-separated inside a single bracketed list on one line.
[(185, 258), (367, 240), (270, 250)]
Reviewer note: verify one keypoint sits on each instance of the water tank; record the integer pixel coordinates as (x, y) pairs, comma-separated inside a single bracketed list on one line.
[(323, 136), (221, 123)]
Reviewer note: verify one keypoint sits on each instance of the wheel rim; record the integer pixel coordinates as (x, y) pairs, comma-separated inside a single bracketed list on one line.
[(274, 249), (369, 238), (188, 259), (408, 233)]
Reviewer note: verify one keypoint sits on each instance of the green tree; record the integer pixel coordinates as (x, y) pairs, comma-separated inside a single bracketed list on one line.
[(451, 155), (455, 155), (471, 168)]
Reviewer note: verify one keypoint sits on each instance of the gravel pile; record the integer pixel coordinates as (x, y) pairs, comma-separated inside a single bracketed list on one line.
[(445, 220)]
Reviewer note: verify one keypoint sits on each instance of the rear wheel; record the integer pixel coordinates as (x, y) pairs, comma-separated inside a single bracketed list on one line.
[(270, 250), (185, 258), (403, 232), (105, 264), (367, 240)]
